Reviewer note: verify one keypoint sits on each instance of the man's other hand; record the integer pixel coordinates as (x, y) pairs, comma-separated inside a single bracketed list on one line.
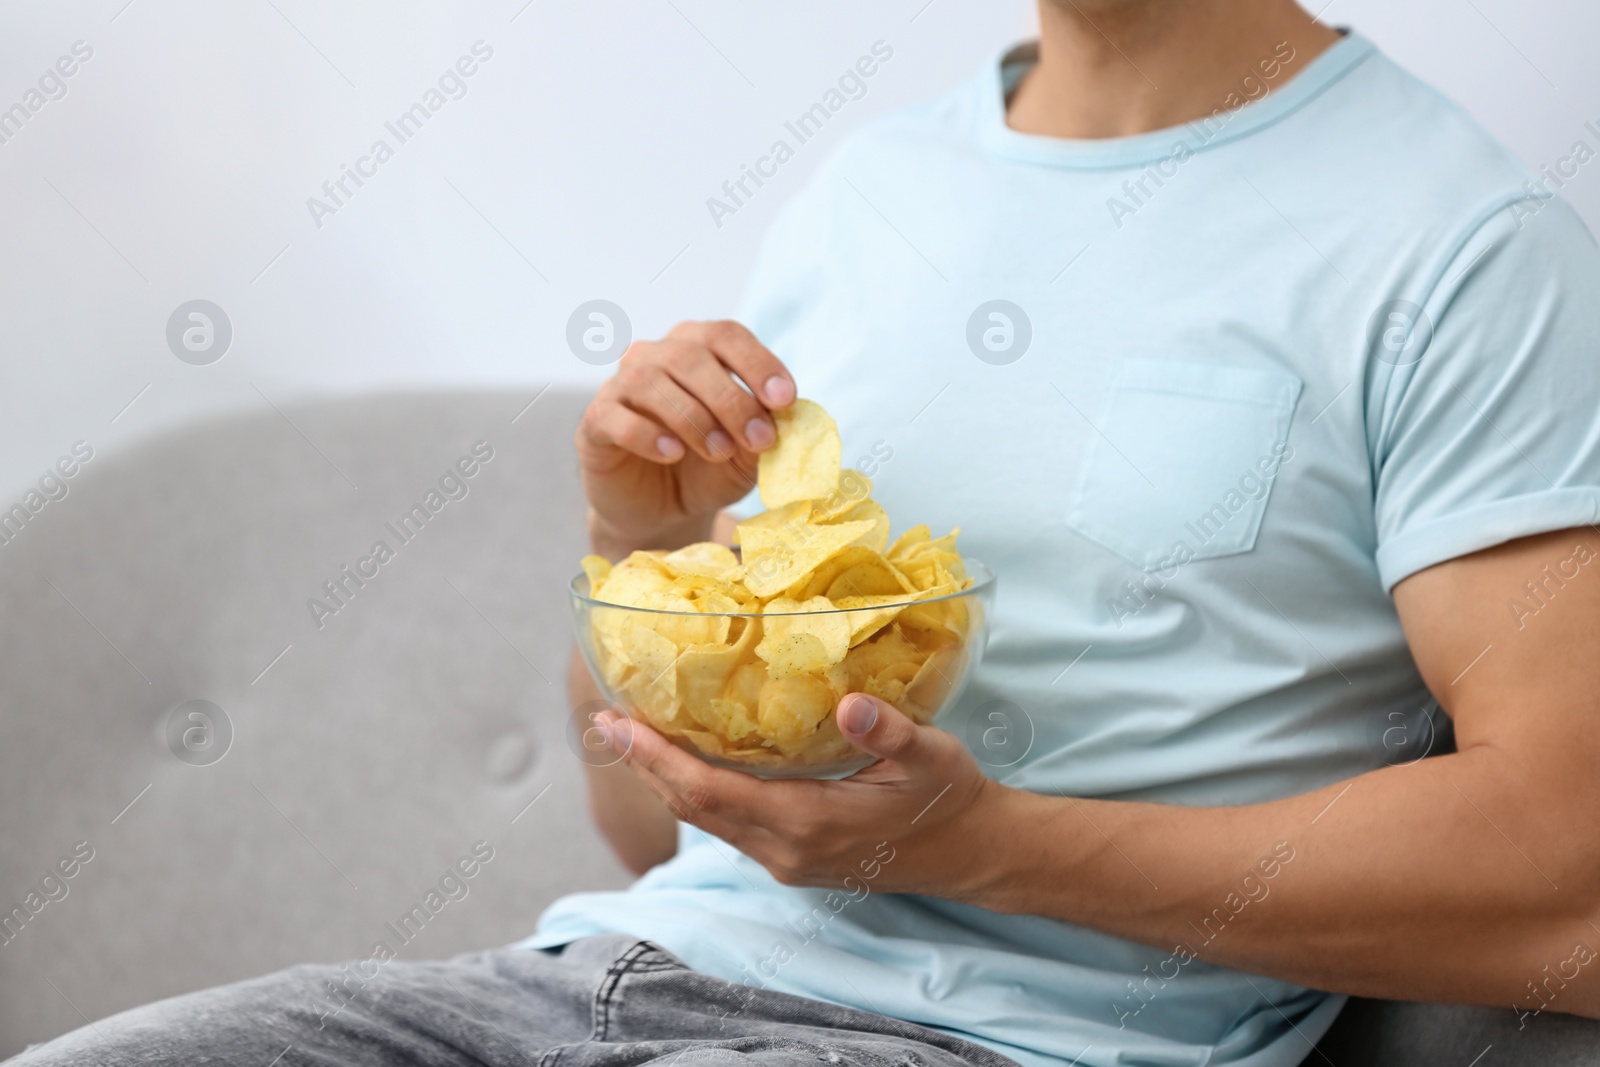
[(908, 823)]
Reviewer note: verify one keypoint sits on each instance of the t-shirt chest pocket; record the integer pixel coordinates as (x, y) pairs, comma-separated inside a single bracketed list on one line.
[(1183, 454)]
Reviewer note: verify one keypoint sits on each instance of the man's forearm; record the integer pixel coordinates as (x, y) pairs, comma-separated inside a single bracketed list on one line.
[(634, 821), (1470, 877), (640, 829), (1448, 879)]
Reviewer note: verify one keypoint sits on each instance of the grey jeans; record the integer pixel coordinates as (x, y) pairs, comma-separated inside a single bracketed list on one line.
[(607, 1001)]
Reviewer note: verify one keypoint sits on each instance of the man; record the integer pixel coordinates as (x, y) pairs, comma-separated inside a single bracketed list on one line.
[(1286, 420)]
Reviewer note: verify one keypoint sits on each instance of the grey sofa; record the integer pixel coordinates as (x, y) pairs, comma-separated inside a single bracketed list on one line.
[(343, 757)]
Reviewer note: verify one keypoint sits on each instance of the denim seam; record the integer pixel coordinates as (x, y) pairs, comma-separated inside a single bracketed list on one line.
[(628, 961), (604, 997)]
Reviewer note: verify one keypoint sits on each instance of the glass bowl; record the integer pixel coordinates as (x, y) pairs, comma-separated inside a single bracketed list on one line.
[(695, 677)]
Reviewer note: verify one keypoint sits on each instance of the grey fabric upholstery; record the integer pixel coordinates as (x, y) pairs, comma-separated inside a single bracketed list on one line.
[(423, 717), (364, 763), (1380, 1033)]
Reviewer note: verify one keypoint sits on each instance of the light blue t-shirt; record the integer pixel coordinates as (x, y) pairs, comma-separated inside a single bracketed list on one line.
[(1274, 363)]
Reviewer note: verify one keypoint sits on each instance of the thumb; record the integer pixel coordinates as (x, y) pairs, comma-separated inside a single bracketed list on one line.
[(877, 727)]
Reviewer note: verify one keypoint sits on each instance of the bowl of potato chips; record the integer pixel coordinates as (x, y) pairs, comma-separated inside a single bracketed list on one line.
[(740, 655)]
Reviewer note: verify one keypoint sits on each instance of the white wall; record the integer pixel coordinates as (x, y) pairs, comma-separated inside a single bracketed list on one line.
[(179, 162)]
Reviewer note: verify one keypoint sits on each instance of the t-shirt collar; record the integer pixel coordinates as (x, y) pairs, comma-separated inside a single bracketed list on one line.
[(996, 81)]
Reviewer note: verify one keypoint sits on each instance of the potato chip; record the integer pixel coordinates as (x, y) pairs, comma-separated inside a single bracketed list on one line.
[(703, 673), (707, 559), (736, 719), (736, 711), (853, 487), (825, 744), (796, 654), (871, 511), (775, 558), (703, 592), (907, 541), (870, 575), (687, 625), (804, 463), (718, 603), (745, 685), (707, 741), (926, 571), (929, 562), (946, 616), (651, 652), (597, 569), (794, 514), (606, 632), (890, 682), (744, 657), (869, 614), (926, 693), (651, 559), (854, 572), (786, 618), (629, 583), (868, 659), (663, 714), (792, 706)]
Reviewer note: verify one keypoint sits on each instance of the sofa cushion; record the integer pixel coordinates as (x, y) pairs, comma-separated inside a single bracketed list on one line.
[(419, 718)]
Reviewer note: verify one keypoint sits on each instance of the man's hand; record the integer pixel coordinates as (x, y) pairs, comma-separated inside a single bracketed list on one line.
[(925, 797), (672, 437)]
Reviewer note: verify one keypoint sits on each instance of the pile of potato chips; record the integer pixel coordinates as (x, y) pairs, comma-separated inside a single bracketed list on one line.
[(743, 658)]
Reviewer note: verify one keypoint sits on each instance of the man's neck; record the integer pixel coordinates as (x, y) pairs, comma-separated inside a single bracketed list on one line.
[(1115, 68)]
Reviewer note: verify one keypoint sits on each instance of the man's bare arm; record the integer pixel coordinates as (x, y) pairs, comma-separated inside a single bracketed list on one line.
[(1471, 877), (633, 819)]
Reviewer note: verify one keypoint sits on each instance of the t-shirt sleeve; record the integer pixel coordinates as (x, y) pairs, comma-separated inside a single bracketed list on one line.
[(1484, 410)]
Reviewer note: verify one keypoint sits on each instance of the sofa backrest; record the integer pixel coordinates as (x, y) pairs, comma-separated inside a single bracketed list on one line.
[(374, 740)]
